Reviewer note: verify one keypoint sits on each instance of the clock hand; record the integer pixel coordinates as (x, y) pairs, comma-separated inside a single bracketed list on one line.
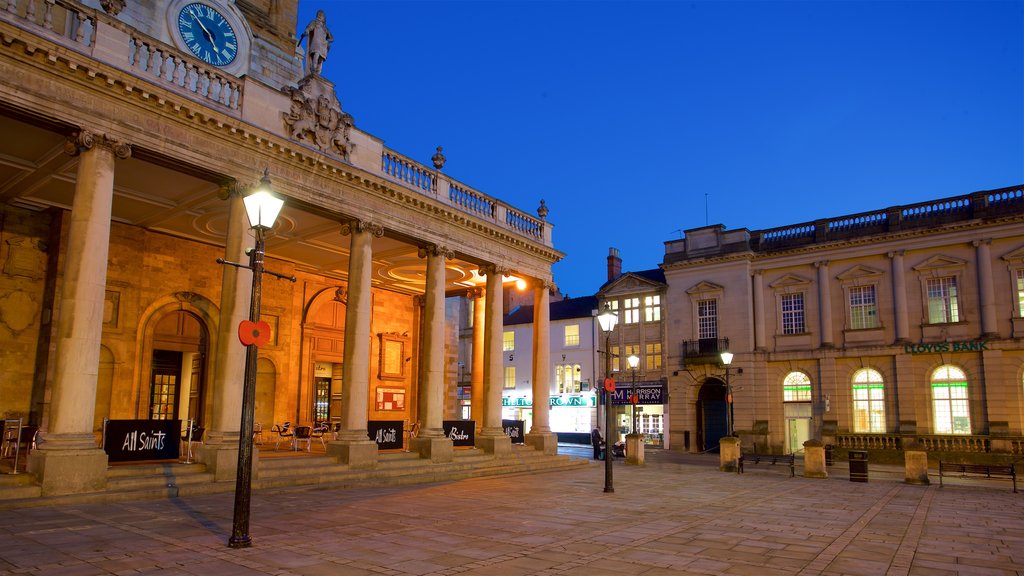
[(209, 35)]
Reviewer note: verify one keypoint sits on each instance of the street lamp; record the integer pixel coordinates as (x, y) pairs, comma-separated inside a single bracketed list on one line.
[(727, 360), (262, 208), (633, 361), (608, 320)]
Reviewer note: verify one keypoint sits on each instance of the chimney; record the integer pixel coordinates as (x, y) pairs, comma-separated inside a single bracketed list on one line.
[(614, 264)]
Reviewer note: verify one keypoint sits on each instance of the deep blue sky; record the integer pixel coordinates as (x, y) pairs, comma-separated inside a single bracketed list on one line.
[(635, 120)]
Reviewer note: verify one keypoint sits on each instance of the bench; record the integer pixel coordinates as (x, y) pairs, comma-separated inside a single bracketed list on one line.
[(771, 459), (981, 470)]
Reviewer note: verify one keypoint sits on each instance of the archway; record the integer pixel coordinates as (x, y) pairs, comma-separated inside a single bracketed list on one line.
[(712, 424), (177, 382)]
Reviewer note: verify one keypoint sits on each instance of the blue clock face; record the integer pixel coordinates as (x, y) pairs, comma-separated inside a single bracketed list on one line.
[(207, 34)]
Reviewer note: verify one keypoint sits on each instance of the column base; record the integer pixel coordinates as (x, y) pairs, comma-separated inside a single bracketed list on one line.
[(635, 449), (222, 461), (916, 467), (355, 453), (497, 444), (435, 449), (728, 453), (69, 471), (544, 442)]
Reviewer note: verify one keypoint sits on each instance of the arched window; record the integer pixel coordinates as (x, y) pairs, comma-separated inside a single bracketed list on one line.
[(949, 401), (796, 387), (868, 401)]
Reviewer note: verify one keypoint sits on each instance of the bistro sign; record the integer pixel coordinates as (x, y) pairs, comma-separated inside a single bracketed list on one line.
[(132, 440), (460, 432), (972, 346)]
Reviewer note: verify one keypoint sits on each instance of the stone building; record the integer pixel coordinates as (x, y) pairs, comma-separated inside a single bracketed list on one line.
[(865, 331), (131, 133)]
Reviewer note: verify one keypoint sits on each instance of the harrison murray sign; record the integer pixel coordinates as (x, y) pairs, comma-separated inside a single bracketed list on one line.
[(975, 346)]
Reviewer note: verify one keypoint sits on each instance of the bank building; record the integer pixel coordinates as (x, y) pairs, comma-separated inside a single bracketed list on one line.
[(132, 134)]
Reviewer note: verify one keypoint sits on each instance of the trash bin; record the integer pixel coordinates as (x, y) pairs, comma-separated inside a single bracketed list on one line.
[(858, 466), (828, 454)]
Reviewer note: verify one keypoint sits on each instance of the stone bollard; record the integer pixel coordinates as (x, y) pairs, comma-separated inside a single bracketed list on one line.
[(916, 464), (635, 449), (814, 459), (728, 453)]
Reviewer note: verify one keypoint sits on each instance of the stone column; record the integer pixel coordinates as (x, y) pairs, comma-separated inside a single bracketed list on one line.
[(476, 398), (492, 437), (824, 305), (68, 460), (759, 334), (220, 452), (540, 436), (728, 453), (986, 291), (431, 442), (353, 446), (899, 293), (814, 459)]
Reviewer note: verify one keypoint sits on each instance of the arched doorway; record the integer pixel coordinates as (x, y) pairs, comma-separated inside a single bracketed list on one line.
[(177, 386), (712, 424)]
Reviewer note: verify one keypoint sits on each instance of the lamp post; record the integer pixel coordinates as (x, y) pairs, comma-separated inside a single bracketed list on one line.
[(633, 361), (727, 360), (608, 319), (262, 208)]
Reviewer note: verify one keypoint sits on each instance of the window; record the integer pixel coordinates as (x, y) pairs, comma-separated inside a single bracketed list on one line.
[(868, 401), (949, 401), (652, 308), (793, 313), (567, 378), (631, 308), (707, 319), (942, 300), (654, 356), (863, 310), (572, 335), (1020, 292), (508, 341), (510, 377), (615, 358), (796, 387)]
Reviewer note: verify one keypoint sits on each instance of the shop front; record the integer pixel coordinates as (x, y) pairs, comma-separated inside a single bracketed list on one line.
[(643, 403)]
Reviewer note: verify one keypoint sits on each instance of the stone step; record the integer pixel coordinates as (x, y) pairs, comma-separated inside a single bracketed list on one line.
[(14, 486)]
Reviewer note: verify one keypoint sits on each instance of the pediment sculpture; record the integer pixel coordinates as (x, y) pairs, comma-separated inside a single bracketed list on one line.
[(316, 117)]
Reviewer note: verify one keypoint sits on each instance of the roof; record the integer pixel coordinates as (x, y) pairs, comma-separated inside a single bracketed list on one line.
[(582, 307), (655, 275)]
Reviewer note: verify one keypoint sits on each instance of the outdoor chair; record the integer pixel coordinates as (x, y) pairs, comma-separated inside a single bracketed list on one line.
[(284, 433), (303, 434)]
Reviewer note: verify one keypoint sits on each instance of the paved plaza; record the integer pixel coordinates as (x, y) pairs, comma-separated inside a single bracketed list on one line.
[(676, 515)]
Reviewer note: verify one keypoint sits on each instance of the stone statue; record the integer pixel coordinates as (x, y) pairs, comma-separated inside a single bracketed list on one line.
[(318, 43)]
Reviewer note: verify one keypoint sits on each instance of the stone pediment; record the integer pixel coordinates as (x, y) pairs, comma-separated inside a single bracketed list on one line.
[(630, 283), (940, 264), (859, 272), (705, 288), (1016, 256), (316, 118), (790, 281)]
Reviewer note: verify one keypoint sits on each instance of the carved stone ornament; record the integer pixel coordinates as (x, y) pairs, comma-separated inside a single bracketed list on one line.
[(488, 269), (542, 210), (361, 226), (87, 140), (112, 7), (435, 250), (316, 117), (438, 159)]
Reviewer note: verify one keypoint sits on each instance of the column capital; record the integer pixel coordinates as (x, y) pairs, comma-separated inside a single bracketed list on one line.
[(232, 189), (435, 250), (357, 225), (896, 253), (821, 264), (981, 242), (477, 292), (488, 269), (543, 284), (87, 140)]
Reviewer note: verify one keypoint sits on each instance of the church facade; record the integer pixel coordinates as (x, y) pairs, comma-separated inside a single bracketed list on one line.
[(132, 131)]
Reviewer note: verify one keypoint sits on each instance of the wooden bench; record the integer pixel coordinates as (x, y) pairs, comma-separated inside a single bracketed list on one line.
[(772, 459), (980, 470)]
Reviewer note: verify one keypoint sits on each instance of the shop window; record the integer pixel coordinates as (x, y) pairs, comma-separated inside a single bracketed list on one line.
[(793, 313), (652, 308), (653, 356), (510, 377), (508, 341), (943, 307), (572, 335), (863, 307), (868, 401), (949, 401), (796, 387), (707, 319)]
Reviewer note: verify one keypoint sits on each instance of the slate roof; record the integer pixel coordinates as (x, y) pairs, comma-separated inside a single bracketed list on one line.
[(582, 307)]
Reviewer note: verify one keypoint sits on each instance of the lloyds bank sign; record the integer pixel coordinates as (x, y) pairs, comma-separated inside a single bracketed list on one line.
[(934, 348)]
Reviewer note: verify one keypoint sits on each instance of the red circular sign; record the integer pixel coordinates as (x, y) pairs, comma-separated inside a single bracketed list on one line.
[(254, 333), (609, 384)]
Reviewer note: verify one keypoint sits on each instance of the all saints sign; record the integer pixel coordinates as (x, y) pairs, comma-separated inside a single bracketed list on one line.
[(936, 347)]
